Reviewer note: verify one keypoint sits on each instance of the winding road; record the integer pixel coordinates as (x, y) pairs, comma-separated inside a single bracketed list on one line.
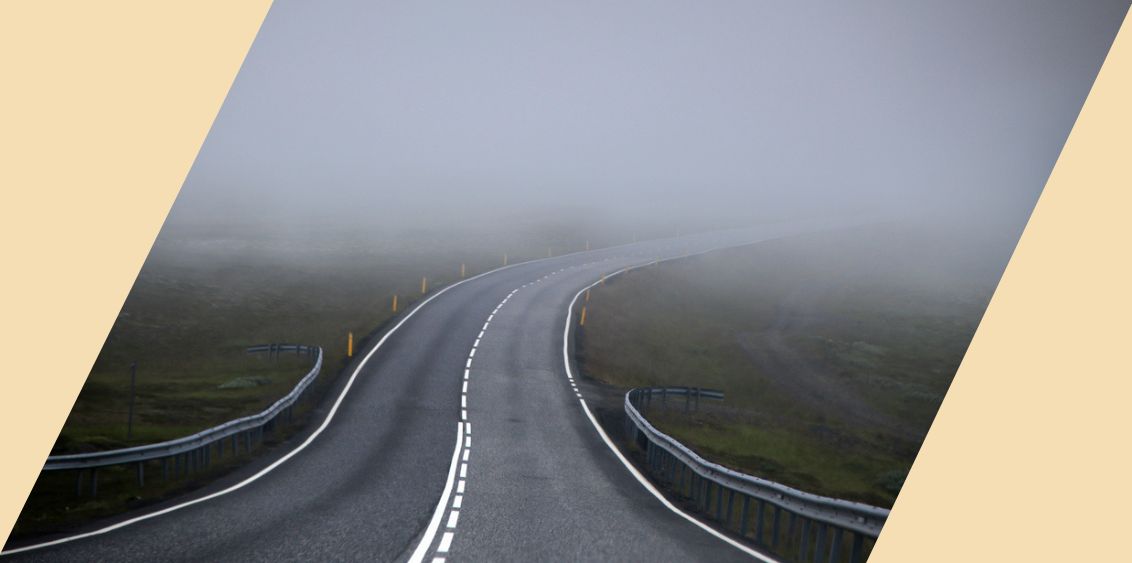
[(462, 435)]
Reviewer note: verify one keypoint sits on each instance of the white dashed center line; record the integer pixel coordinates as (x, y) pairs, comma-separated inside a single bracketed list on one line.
[(465, 451)]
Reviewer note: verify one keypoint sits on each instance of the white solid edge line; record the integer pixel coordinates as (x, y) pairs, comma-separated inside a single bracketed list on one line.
[(613, 448), (441, 506), (288, 455)]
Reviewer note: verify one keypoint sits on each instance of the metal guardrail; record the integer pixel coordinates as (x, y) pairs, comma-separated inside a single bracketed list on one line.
[(277, 349), (816, 524), (194, 452)]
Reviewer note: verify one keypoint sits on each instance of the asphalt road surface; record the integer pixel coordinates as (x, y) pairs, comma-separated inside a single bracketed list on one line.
[(528, 477)]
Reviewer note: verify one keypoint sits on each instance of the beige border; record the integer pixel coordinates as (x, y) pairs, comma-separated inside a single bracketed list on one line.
[(1029, 458), (103, 109), (105, 105)]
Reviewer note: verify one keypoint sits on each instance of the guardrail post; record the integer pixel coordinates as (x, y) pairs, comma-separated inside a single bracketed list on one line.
[(685, 477), (774, 527), (743, 513), (730, 505), (835, 544), (805, 539), (164, 469), (708, 484), (141, 474), (760, 509), (692, 488), (857, 547), (79, 483), (705, 490), (93, 481), (819, 543), (719, 503), (701, 487)]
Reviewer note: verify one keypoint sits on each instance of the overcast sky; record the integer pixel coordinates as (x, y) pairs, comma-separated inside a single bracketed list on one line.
[(714, 108)]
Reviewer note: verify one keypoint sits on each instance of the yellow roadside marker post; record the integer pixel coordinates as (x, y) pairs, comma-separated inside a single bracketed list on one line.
[(349, 345), (603, 279), (462, 270), (394, 303), (582, 321), (424, 285), (587, 296)]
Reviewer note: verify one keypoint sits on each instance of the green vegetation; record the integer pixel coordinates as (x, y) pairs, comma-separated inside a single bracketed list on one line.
[(835, 349)]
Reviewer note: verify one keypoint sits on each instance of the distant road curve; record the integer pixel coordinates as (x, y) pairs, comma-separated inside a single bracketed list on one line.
[(461, 434)]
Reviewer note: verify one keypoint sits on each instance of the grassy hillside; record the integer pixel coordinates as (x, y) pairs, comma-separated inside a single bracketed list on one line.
[(835, 349)]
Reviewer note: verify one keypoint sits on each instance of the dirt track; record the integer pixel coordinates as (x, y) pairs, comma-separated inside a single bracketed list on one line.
[(804, 380)]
